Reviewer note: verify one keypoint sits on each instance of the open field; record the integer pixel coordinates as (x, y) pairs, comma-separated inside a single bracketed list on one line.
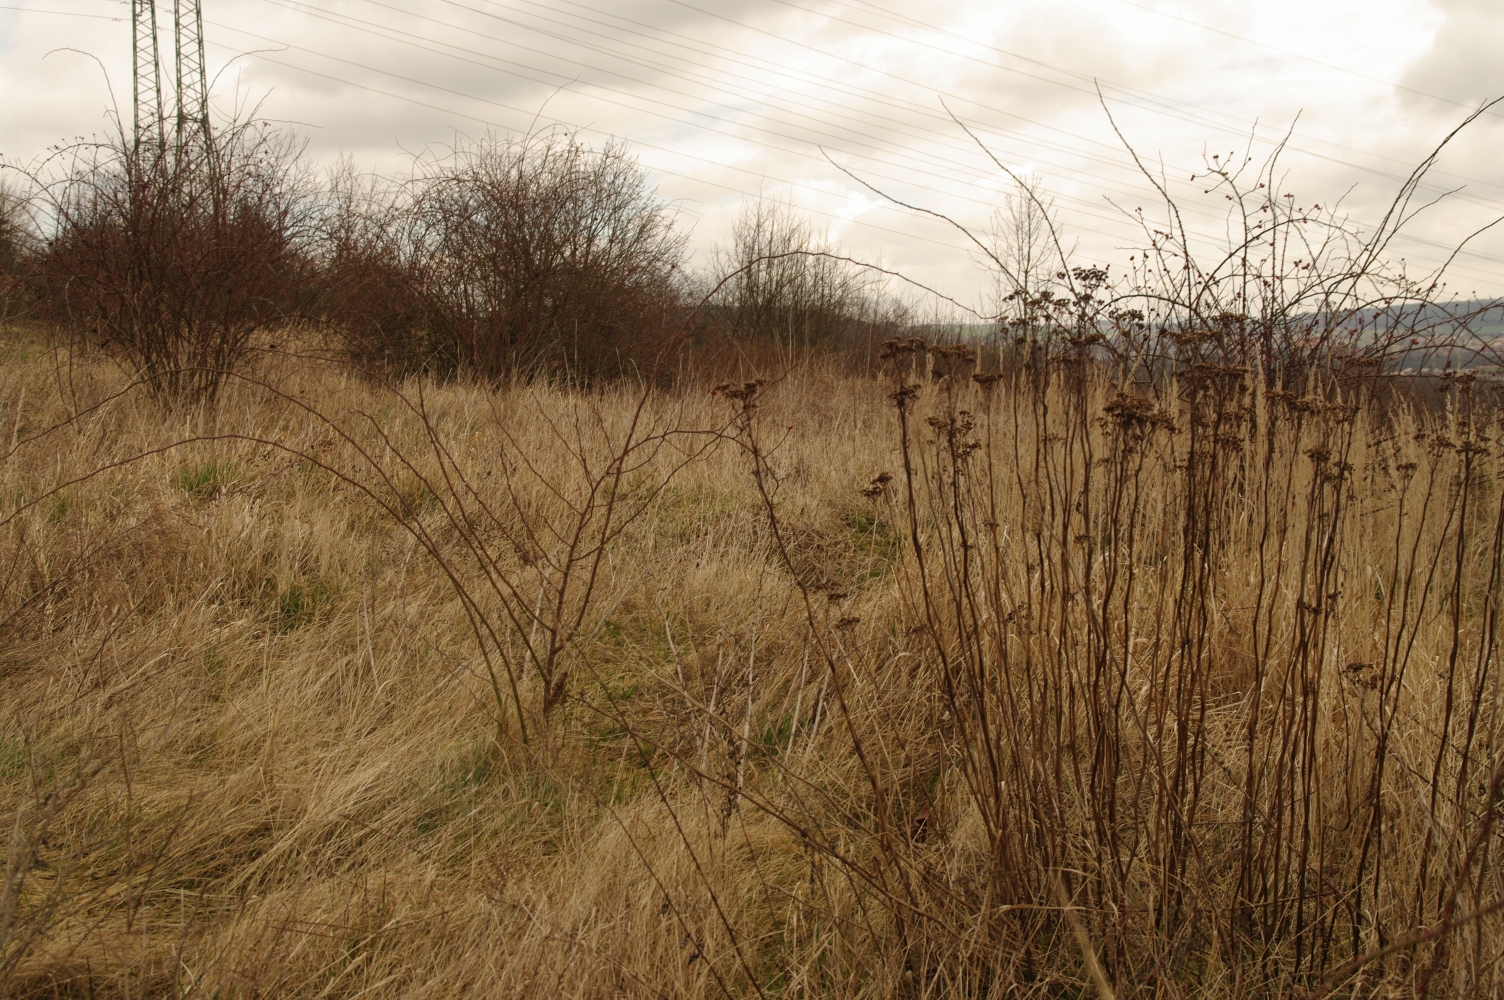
[(999, 688)]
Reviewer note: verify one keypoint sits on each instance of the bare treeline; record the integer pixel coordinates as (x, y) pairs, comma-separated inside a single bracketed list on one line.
[(793, 286), (512, 257), (499, 258)]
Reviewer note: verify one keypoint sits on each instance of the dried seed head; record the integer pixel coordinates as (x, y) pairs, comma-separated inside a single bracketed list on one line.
[(875, 488), (1136, 413), (962, 352), (905, 395), (742, 393), (893, 348)]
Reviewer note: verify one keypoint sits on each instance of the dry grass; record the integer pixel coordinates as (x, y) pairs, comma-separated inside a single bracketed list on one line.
[(1187, 695)]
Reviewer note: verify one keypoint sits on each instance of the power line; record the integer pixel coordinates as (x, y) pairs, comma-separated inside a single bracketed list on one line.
[(1056, 168), (1287, 52), (860, 91), (1113, 219), (523, 111), (905, 153), (62, 13), (1085, 211), (950, 166), (1495, 206), (1158, 104)]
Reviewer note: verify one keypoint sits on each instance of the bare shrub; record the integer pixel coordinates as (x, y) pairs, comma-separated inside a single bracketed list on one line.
[(173, 260), (519, 256), (12, 231), (1188, 694), (1160, 709), (1297, 290), (17, 238), (374, 298)]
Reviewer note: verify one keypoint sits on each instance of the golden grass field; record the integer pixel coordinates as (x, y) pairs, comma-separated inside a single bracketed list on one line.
[(331, 689)]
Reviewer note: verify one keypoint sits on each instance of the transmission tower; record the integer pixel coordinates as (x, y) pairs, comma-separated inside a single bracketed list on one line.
[(146, 73), (192, 82), (190, 106)]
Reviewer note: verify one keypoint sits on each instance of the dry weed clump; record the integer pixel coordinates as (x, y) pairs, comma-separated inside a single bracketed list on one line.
[(1176, 645), (955, 682)]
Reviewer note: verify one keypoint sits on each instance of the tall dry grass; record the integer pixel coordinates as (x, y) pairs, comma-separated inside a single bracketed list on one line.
[(249, 728), (923, 685)]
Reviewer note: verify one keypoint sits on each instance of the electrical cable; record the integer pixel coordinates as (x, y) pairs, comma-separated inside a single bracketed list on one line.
[(1112, 219), (1285, 52), (1156, 103), (61, 13), (673, 152), (951, 167), (871, 141)]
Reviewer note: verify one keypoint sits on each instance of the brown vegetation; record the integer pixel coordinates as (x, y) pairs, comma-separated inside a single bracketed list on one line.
[(1008, 685), (510, 257), (793, 292), (173, 260), (1145, 647)]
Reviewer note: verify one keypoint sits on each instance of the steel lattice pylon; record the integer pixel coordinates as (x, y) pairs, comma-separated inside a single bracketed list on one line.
[(146, 107), (192, 81), (190, 108)]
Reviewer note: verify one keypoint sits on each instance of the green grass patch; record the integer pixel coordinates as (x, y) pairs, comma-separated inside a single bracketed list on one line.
[(870, 535), (298, 604), (55, 508), (13, 758), (772, 737), (207, 481), (459, 780)]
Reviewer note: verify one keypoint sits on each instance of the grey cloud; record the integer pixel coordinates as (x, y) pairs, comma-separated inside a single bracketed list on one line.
[(1464, 62), (725, 96)]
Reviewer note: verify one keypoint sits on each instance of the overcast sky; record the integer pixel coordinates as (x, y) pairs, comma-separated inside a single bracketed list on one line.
[(723, 98)]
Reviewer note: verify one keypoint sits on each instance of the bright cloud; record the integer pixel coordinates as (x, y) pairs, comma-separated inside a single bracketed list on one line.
[(800, 97)]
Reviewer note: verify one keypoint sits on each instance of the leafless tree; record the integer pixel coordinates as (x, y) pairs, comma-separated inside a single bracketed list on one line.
[(790, 288), (1020, 237)]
